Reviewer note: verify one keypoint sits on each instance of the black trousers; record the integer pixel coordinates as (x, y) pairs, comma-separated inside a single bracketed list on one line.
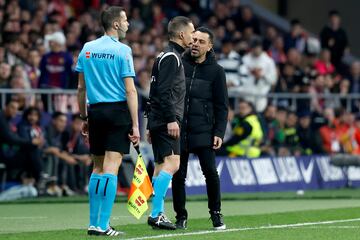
[(208, 166)]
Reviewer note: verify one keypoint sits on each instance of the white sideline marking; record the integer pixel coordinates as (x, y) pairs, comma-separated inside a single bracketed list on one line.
[(21, 218), (246, 229), (330, 227)]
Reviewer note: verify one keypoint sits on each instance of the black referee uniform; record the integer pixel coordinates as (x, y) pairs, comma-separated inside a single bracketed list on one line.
[(167, 93)]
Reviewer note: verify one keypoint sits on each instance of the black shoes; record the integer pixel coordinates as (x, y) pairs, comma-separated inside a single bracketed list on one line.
[(161, 222), (181, 224), (217, 220)]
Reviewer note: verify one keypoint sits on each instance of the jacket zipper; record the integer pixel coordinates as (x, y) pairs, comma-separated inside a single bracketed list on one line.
[(188, 101), (207, 113)]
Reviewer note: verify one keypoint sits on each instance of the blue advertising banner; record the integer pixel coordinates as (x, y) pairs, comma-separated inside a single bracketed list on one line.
[(273, 174)]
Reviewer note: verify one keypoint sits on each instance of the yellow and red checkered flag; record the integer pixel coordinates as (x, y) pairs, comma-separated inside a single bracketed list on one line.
[(140, 190)]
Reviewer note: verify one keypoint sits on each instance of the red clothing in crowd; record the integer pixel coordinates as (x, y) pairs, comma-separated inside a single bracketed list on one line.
[(323, 67)]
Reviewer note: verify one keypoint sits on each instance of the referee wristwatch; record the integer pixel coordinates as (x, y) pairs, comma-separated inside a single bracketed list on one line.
[(84, 118)]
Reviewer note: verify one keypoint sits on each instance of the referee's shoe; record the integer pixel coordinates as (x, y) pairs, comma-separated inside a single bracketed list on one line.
[(96, 231), (161, 222)]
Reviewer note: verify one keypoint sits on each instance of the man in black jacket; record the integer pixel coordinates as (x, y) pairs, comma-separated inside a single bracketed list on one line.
[(167, 94), (203, 128)]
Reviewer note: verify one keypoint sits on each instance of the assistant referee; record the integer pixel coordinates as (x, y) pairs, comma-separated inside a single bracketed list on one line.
[(106, 79)]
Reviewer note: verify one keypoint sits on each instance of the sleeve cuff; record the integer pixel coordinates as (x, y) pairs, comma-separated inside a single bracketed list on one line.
[(171, 118), (219, 134)]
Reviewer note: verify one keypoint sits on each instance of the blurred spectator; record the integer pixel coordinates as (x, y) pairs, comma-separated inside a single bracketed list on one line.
[(292, 142), (248, 20), (309, 138), (270, 36), (262, 75), (323, 65), (13, 46), (29, 128), (56, 70), (15, 150), (317, 91), (328, 133), (159, 19), (79, 149), (267, 122), (354, 77), (345, 130), (296, 38), (135, 21), (230, 60), (5, 72), (32, 68), (55, 66), (356, 150), (58, 160), (247, 133), (354, 80), (2, 49), (277, 52), (277, 129), (334, 38), (288, 82)]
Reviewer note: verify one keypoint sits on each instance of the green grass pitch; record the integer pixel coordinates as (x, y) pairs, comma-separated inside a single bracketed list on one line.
[(320, 215)]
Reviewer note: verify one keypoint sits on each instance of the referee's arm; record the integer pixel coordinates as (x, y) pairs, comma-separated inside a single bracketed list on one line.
[(168, 69), (81, 94), (132, 101)]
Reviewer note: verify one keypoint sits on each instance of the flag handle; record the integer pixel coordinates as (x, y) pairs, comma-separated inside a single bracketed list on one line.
[(137, 149)]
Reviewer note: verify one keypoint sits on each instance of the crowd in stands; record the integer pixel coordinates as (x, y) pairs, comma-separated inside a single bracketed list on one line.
[(40, 41)]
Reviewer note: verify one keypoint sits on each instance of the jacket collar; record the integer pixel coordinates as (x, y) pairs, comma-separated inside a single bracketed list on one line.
[(210, 58), (177, 47)]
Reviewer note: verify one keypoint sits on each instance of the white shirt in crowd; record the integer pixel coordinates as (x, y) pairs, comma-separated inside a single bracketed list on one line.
[(251, 85)]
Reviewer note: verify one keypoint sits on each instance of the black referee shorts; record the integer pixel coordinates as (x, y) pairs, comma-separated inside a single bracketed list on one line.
[(109, 126), (163, 144)]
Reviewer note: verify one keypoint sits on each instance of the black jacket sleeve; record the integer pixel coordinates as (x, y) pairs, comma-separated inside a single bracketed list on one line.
[(221, 103), (8, 137), (235, 139), (168, 67)]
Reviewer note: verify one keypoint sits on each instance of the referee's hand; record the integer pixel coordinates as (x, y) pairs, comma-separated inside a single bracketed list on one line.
[(134, 136), (173, 129), (85, 130)]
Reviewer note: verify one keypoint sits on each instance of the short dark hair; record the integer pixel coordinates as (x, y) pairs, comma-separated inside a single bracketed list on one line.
[(29, 111), (294, 22), (57, 115), (76, 116), (11, 100), (109, 15), (334, 12), (208, 32), (243, 100), (176, 25)]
